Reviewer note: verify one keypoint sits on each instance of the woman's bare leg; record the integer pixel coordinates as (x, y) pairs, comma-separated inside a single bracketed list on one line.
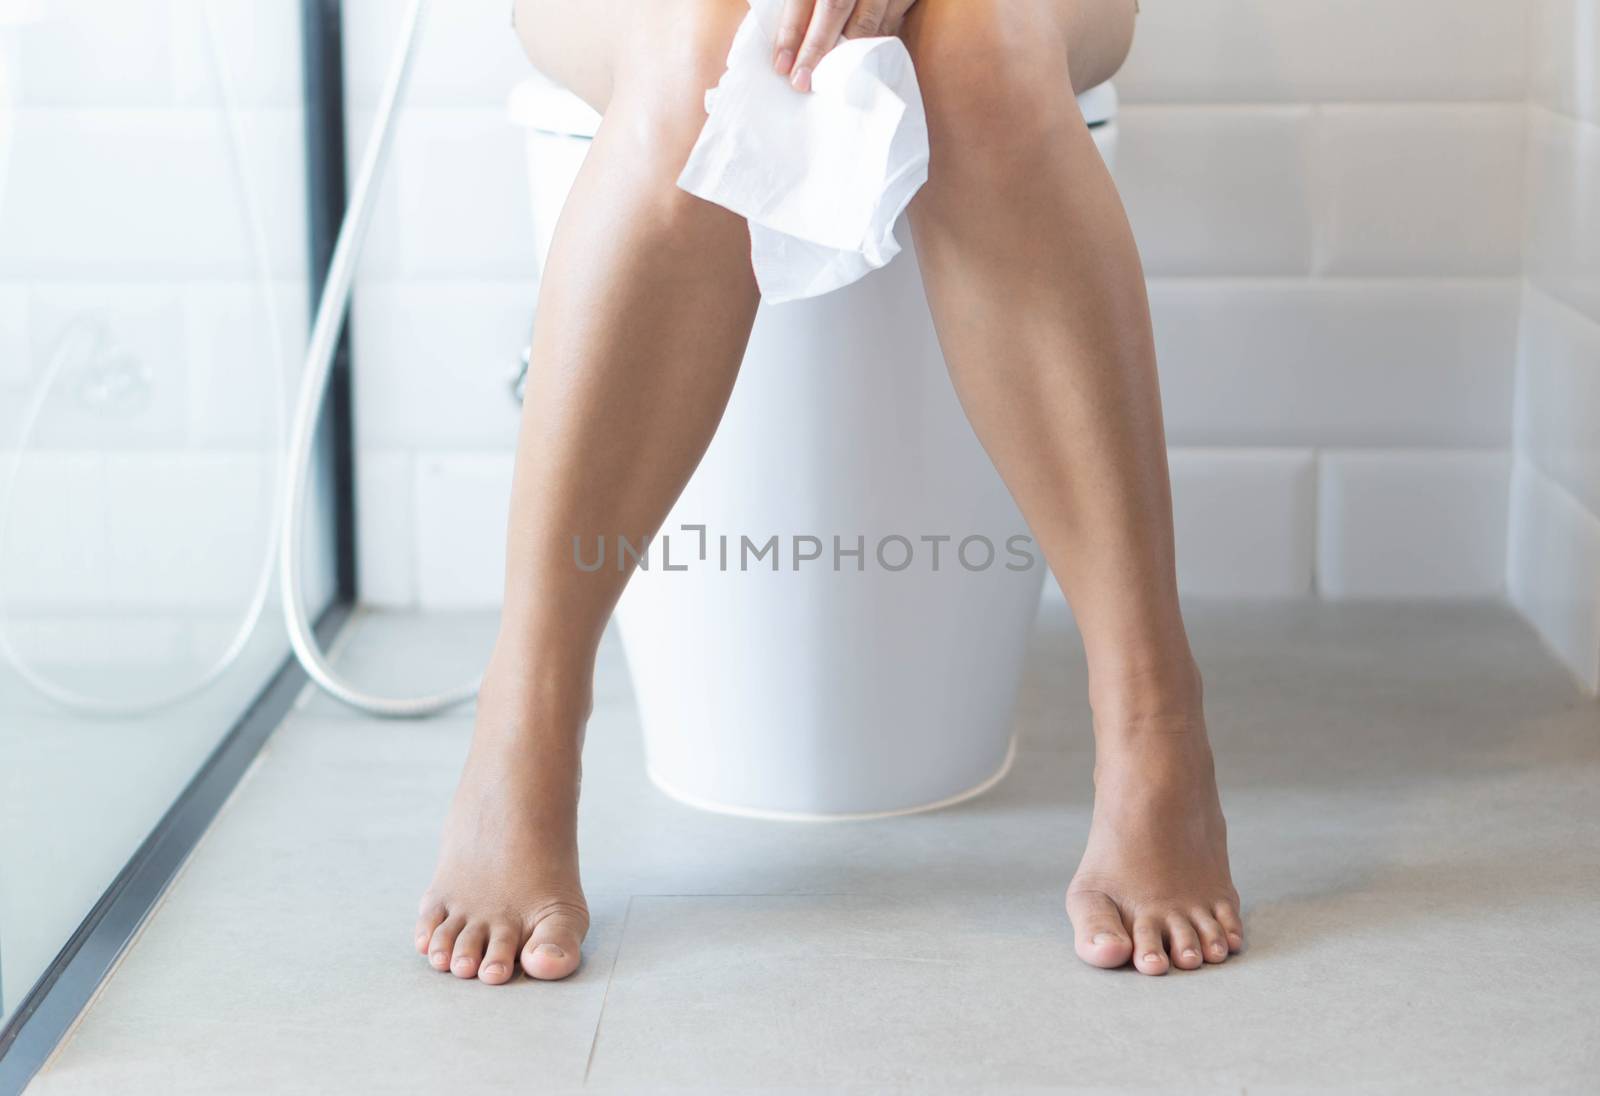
[(644, 313), (1039, 300)]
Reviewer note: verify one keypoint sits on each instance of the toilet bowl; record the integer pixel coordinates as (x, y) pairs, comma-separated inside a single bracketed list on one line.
[(866, 662)]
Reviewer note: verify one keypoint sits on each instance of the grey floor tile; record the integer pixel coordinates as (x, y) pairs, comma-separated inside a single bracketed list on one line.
[(974, 992), (1411, 800), (404, 654), (281, 961)]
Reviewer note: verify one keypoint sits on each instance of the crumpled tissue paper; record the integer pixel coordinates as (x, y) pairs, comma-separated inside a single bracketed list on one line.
[(823, 176)]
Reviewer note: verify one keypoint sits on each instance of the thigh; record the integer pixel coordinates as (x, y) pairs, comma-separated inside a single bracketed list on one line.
[(1098, 34), (574, 42), (1088, 38), (606, 49)]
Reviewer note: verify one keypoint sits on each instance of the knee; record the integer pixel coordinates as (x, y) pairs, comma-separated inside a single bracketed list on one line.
[(672, 54), (994, 75)]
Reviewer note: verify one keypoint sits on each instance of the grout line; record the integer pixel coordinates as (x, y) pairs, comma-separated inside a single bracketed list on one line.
[(1388, 280), (1138, 103), (594, 1040), (760, 894)]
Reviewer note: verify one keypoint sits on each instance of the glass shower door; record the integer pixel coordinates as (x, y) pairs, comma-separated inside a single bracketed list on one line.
[(153, 310)]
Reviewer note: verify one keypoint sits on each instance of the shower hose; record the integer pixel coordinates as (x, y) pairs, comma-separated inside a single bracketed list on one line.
[(295, 450)]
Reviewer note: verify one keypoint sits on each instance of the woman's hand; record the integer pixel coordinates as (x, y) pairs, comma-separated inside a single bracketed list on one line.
[(811, 28)]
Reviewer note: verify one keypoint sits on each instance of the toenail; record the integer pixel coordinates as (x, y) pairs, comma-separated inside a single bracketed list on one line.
[(1190, 953), (439, 956), (495, 969), (551, 950), (1107, 938), (1151, 957)]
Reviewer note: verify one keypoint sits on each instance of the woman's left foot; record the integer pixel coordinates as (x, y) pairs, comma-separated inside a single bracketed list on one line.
[(1154, 884)]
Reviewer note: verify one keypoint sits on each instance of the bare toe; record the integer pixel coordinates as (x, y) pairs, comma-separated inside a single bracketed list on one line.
[(1213, 940), (552, 952), (1149, 956), (1232, 924), (500, 961), (443, 942), (1100, 936), (1184, 943), (468, 952), (429, 919), (508, 859)]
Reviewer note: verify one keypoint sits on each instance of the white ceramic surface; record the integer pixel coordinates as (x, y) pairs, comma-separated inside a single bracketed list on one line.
[(830, 687)]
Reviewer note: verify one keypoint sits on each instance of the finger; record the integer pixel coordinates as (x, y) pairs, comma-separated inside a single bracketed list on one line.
[(894, 16), (827, 23), (791, 32), (867, 20)]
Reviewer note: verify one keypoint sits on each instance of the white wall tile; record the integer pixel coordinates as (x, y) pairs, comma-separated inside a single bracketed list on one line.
[(56, 551), (189, 530), (1339, 362), (113, 52), (1563, 215), (113, 356), (462, 195), (68, 644), (1411, 523), (1564, 49), (1553, 558), (16, 352), (1246, 183), (1420, 189), (386, 530), (1245, 521), (1218, 190), (1558, 395), (435, 362), (245, 348), (80, 52), (1308, 50), (268, 183), (1553, 570), (248, 47), (381, 248), (467, 53), (152, 193), (462, 500)]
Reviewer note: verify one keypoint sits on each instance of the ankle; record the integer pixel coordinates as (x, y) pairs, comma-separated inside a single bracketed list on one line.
[(558, 664), (1162, 697), (528, 696)]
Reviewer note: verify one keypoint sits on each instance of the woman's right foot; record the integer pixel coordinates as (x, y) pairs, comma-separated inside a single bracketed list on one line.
[(506, 891)]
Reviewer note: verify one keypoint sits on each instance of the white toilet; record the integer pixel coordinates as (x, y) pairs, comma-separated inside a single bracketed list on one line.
[(813, 692)]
